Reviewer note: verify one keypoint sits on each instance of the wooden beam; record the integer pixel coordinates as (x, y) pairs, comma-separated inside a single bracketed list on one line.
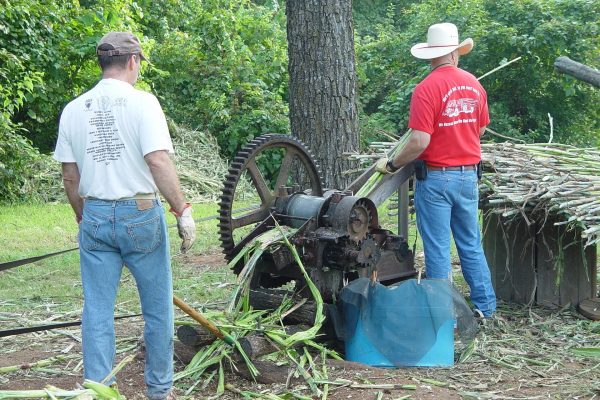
[(579, 71)]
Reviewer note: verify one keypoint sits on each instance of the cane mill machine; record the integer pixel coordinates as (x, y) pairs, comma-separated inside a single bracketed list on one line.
[(338, 238)]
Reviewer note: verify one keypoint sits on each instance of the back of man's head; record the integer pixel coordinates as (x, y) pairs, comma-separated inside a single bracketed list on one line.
[(115, 48)]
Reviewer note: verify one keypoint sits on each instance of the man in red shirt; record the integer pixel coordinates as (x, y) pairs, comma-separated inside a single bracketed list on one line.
[(448, 114)]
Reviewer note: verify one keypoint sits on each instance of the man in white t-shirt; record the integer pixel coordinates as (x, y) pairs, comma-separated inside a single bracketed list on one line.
[(114, 146)]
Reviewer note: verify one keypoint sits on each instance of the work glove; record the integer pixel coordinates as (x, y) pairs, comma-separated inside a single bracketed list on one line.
[(186, 227), (383, 165)]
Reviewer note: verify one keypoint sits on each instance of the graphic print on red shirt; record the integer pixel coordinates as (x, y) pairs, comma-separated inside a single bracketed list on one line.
[(451, 105)]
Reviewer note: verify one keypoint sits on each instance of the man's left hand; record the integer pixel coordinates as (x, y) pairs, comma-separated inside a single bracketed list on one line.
[(381, 165)]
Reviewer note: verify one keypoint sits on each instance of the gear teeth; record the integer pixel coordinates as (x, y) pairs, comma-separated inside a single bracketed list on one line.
[(223, 213), (248, 152)]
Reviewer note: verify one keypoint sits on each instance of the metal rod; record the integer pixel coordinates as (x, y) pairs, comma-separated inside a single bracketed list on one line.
[(403, 200)]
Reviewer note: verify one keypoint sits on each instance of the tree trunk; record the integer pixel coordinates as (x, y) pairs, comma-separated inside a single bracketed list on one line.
[(258, 345), (323, 111), (271, 373)]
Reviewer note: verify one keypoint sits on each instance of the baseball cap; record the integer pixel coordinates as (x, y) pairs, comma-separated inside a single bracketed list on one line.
[(118, 44)]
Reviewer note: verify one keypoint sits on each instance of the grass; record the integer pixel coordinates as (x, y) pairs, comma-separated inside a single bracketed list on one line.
[(29, 230)]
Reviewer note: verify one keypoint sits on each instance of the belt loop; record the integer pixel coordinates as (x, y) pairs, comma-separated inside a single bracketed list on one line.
[(443, 169), (462, 169)]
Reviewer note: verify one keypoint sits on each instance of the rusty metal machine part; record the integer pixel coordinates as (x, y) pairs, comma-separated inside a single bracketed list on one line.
[(338, 237), (354, 215)]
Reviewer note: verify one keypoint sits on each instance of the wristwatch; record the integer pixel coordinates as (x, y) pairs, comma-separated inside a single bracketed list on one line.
[(391, 167)]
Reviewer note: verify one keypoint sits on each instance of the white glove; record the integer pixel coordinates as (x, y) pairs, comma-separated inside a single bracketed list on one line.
[(381, 165), (186, 227)]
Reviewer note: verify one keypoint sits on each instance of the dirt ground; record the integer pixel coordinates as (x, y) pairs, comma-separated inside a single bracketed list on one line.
[(525, 354)]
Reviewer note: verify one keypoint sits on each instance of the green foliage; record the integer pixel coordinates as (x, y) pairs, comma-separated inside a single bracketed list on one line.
[(16, 153), (46, 59), (57, 41), (520, 96), (220, 66), (223, 68)]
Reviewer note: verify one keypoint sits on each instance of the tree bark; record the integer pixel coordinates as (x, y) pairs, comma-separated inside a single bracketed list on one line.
[(271, 373), (256, 346), (580, 71), (323, 111)]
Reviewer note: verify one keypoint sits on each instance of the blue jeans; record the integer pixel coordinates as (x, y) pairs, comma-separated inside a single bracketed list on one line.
[(447, 202), (113, 234)]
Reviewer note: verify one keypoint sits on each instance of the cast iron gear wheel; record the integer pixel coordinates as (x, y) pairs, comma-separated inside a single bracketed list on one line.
[(245, 161), (369, 252), (360, 221)]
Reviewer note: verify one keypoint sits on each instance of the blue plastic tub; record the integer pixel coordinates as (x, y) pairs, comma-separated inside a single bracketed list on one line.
[(360, 349), (410, 324), (442, 352)]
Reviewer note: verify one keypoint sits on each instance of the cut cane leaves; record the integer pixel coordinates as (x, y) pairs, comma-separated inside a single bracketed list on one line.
[(590, 352)]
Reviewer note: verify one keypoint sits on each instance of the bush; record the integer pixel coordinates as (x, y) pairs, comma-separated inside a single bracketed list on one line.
[(17, 154), (223, 69), (521, 95)]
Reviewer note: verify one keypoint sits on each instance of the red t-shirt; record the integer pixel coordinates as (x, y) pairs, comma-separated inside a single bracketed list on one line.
[(451, 106)]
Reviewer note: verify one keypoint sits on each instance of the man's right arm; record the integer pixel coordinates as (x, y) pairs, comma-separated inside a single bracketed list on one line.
[(417, 143), (165, 176)]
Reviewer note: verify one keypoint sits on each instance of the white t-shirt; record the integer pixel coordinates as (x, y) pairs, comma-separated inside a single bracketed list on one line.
[(107, 131)]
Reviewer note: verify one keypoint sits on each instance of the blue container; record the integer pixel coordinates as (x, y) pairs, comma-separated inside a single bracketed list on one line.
[(360, 349), (442, 352), (410, 324)]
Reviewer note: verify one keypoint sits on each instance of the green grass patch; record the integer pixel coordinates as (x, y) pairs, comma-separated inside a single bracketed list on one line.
[(53, 285)]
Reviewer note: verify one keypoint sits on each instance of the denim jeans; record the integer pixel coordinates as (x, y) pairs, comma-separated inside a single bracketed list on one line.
[(113, 234), (447, 202)]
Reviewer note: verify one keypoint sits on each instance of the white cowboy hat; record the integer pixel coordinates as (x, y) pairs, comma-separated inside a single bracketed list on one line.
[(442, 39)]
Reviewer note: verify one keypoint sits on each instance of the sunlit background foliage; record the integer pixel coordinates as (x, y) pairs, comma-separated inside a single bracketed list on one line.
[(220, 66)]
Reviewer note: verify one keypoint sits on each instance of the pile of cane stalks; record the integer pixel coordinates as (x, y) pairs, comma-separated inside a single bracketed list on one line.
[(528, 180), (531, 181), (299, 351)]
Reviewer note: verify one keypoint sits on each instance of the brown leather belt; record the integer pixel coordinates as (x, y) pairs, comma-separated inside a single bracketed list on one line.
[(457, 168), (139, 196)]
